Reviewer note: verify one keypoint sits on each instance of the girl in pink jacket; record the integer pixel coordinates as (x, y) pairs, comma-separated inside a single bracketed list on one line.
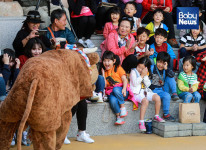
[(121, 42)]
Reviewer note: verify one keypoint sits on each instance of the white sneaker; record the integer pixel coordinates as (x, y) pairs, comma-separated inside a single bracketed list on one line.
[(100, 98), (82, 42), (89, 50), (13, 142), (95, 96), (84, 137), (24, 138), (89, 43), (66, 141)]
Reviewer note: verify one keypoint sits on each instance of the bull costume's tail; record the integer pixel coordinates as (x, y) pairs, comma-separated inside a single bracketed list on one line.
[(27, 111)]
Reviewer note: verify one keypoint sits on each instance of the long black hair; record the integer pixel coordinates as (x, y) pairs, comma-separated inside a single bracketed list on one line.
[(110, 55), (146, 62), (30, 44), (11, 54)]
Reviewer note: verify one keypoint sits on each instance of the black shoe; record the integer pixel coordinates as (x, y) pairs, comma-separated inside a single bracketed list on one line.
[(168, 117)]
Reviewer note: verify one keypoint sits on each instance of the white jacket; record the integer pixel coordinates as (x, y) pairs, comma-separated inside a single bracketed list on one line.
[(135, 81)]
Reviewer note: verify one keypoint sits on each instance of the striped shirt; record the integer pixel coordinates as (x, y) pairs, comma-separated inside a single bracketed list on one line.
[(140, 51), (189, 41), (190, 79)]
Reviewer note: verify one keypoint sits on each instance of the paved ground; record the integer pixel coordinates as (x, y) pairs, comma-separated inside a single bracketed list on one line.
[(136, 141)]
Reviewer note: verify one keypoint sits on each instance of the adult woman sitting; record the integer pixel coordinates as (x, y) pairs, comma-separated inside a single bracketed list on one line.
[(121, 42), (29, 30), (147, 16)]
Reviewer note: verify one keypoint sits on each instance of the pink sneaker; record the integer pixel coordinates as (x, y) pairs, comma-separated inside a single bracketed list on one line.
[(158, 119), (142, 127)]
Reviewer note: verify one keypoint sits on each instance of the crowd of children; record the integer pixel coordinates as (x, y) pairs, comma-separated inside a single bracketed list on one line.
[(137, 62)]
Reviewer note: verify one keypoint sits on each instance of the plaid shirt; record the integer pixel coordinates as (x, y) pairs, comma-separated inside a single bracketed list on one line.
[(201, 73)]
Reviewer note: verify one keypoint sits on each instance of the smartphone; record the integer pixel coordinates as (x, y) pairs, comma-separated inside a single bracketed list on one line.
[(41, 32)]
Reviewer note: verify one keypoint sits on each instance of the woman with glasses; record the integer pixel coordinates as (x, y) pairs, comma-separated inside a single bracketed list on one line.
[(29, 30), (121, 42)]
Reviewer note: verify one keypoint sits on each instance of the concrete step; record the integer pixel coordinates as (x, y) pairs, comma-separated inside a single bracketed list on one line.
[(100, 118), (176, 129)]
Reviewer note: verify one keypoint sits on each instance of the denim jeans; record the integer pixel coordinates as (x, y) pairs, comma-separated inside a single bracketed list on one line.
[(100, 84), (2, 89), (116, 98), (184, 52), (169, 86), (187, 96)]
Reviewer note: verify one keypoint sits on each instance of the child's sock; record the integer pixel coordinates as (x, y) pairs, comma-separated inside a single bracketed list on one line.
[(141, 121), (156, 115)]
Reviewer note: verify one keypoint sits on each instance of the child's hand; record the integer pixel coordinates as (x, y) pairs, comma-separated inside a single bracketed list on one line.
[(133, 46), (204, 59), (17, 62), (165, 65), (190, 90), (144, 72), (147, 53), (6, 59), (151, 51), (167, 9), (195, 47), (1, 75), (138, 23), (153, 7), (124, 92)]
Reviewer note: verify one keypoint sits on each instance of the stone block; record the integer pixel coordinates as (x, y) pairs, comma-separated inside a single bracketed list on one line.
[(199, 126), (10, 9), (155, 130), (198, 132), (185, 133), (168, 126), (184, 126), (168, 134), (155, 124)]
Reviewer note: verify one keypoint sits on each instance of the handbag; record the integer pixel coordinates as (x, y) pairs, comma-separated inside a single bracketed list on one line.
[(189, 113), (104, 4)]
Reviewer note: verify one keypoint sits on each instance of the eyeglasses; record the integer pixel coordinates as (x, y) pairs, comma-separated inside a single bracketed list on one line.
[(127, 18), (34, 16)]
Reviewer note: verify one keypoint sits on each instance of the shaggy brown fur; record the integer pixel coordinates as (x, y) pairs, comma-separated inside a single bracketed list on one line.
[(50, 85)]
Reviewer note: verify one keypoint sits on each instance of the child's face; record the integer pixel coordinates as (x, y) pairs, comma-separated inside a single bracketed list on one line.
[(11, 63), (115, 17), (187, 67), (159, 39), (142, 38), (36, 50), (158, 17), (195, 32), (130, 10), (140, 67), (200, 13), (160, 65), (108, 63), (124, 28)]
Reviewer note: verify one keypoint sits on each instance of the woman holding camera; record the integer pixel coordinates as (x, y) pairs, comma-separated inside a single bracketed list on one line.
[(29, 30)]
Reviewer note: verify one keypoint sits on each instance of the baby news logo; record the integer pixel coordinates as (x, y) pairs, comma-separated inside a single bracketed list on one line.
[(187, 18)]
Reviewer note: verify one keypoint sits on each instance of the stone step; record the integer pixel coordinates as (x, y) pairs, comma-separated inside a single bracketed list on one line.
[(100, 119), (176, 129)]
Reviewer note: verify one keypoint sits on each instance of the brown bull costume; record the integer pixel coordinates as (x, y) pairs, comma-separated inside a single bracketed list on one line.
[(46, 89)]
